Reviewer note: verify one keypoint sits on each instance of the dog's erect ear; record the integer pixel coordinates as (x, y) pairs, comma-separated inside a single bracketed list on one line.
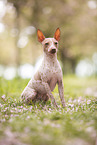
[(57, 34), (40, 35)]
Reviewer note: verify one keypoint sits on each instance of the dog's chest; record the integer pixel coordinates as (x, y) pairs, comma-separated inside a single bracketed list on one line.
[(50, 74), (48, 71)]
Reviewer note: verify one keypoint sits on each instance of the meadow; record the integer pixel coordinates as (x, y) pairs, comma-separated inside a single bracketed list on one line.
[(43, 124)]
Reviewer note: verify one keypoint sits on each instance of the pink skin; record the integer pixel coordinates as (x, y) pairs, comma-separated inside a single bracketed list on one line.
[(40, 87)]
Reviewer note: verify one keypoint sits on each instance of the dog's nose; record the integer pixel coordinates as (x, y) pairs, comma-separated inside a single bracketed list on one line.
[(53, 50)]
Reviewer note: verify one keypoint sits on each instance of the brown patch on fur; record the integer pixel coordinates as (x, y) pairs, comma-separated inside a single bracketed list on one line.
[(37, 76)]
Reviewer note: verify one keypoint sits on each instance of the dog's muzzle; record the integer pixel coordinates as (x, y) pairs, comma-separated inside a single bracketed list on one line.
[(53, 51)]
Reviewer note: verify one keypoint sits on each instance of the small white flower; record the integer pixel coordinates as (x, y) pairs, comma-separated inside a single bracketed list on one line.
[(28, 117), (49, 109), (3, 98), (68, 109), (71, 105), (19, 110), (89, 101), (31, 108), (25, 109), (74, 101), (76, 109)]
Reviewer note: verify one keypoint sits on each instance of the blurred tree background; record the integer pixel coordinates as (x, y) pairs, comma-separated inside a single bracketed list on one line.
[(20, 19)]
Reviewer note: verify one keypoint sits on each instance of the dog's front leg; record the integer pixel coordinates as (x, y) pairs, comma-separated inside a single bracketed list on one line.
[(61, 92), (48, 90)]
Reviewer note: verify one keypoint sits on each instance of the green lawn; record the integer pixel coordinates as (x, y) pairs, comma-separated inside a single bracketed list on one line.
[(42, 124)]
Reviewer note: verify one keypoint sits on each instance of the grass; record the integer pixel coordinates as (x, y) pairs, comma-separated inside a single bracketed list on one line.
[(42, 124)]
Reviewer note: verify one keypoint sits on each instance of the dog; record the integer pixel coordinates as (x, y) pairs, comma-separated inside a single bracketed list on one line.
[(40, 87)]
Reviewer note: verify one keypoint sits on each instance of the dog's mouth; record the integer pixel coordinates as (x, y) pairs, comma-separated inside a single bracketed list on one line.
[(53, 51)]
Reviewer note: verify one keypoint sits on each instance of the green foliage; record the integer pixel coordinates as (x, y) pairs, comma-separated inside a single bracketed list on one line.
[(74, 17), (42, 124)]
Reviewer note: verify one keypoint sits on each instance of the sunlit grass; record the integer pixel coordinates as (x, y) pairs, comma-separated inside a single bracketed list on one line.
[(42, 124)]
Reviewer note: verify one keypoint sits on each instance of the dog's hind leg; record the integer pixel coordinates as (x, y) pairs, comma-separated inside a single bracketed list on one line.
[(43, 88), (28, 95)]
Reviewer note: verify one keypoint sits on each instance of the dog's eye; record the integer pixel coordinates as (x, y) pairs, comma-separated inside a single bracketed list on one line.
[(46, 44), (56, 43)]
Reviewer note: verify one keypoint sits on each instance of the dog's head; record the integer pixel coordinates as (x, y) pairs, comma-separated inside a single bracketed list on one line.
[(50, 45)]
